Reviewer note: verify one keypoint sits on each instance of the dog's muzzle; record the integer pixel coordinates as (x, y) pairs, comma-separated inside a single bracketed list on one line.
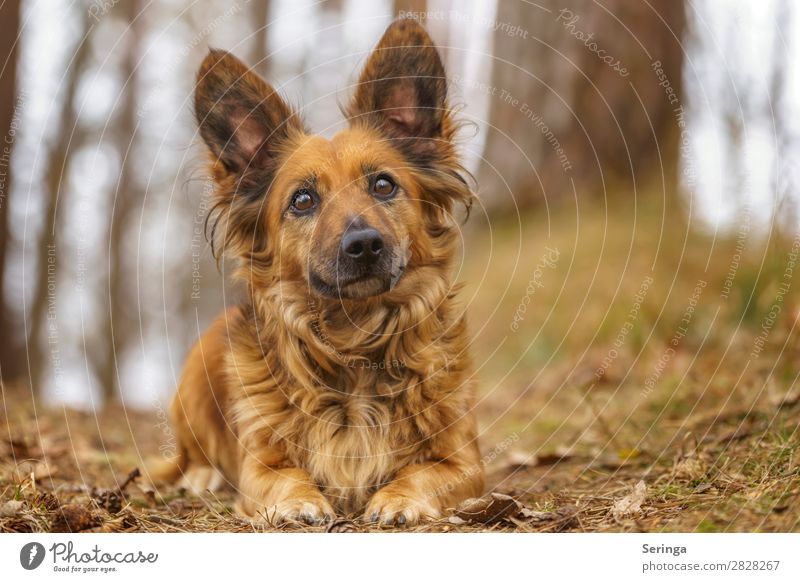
[(366, 264)]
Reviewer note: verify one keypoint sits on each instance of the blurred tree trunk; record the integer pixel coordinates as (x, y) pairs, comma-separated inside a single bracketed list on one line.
[(10, 355), (579, 96), (69, 136), (121, 321), (260, 16)]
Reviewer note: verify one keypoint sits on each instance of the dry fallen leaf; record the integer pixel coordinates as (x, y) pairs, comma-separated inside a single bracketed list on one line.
[(496, 507), (563, 516), (631, 503), (489, 509), (541, 516)]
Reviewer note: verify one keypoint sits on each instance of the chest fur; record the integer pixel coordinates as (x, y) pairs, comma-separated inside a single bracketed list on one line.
[(352, 427), (353, 444)]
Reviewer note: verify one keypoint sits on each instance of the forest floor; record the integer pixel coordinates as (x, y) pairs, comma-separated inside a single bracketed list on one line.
[(649, 384)]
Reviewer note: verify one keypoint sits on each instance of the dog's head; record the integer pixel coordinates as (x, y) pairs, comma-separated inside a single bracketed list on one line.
[(350, 217)]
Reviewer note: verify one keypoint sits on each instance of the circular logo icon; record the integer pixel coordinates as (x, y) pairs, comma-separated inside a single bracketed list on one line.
[(31, 555)]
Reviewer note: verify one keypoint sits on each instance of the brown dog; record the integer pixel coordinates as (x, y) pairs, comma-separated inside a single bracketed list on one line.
[(344, 383)]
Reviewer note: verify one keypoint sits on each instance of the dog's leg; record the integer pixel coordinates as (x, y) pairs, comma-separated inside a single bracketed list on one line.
[(276, 495), (200, 479), (425, 490)]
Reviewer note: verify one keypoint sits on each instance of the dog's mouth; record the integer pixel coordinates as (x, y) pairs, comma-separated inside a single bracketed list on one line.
[(359, 287), (345, 280)]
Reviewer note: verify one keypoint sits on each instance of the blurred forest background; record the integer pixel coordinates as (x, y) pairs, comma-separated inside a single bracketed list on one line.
[(629, 269), (593, 123)]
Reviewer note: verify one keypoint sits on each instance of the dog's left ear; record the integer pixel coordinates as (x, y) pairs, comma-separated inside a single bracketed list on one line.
[(403, 90)]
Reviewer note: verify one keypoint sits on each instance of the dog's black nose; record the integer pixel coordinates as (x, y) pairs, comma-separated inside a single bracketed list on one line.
[(363, 244)]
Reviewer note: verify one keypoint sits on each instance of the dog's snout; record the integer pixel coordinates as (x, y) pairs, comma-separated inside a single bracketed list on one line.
[(363, 244)]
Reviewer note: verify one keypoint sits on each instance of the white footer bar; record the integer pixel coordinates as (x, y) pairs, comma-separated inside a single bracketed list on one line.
[(406, 557)]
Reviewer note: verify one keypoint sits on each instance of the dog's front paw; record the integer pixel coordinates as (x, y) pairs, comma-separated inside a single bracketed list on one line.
[(310, 510), (391, 507)]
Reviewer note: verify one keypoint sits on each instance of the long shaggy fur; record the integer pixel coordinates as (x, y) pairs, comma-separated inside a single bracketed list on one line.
[(313, 405)]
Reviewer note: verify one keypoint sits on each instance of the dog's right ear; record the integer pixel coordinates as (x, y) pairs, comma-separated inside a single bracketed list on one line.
[(241, 117)]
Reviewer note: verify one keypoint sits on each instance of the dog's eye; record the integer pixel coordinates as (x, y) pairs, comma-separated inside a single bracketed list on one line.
[(303, 200), (383, 186)]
